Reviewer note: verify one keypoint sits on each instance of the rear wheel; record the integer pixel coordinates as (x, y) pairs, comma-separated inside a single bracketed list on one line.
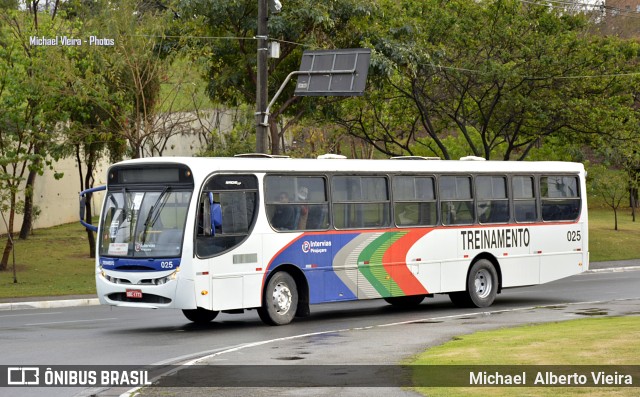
[(280, 300), (405, 301), (200, 315), (482, 286)]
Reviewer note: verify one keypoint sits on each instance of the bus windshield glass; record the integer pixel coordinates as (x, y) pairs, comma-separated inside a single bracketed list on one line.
[(147, 224)]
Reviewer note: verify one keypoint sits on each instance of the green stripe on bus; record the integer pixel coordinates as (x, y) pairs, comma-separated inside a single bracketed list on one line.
[(374, 271)]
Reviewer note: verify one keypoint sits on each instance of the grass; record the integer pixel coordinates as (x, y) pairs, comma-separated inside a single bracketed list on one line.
[(584, 342), (607, 244), (55, 261)]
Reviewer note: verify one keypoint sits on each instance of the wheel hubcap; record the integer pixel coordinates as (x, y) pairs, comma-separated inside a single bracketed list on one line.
[(282, 298), (482, 283)]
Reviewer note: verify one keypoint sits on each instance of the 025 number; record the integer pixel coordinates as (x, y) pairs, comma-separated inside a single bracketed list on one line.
[(573, 235)]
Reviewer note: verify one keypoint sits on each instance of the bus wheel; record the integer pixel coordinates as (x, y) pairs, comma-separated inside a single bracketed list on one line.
[(200, 315), (405, 301), (482, 286), (280, 300)]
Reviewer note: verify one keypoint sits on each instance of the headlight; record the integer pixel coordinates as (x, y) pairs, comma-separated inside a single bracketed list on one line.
[(164, 280)]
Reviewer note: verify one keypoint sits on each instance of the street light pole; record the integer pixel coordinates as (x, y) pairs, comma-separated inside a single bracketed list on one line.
[(261, 78)]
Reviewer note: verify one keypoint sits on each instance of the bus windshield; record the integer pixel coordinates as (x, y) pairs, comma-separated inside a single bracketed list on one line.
[(147, 224)]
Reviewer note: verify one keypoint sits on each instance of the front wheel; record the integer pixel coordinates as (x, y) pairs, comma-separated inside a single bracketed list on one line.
[(200, 315), (482, 286), (280, 300)]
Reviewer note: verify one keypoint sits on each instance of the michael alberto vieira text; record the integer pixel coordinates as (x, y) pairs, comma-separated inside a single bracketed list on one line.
[(548, 378), (69, 41)]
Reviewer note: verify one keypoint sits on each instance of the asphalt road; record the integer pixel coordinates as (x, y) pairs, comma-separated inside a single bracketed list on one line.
[(347, 333)]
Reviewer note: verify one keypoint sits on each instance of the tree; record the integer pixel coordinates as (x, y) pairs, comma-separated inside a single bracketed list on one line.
[(611, 185), (498, 76), (229, 30), (121, 77), (29, 112), (240, 139)]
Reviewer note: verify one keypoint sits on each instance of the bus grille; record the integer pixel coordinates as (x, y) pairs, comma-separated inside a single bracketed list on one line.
[(146, 298), (145, 281)]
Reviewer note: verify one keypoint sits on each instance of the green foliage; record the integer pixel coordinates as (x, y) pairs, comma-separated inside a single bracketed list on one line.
[(610, 185), (32, 92), (241, 138), (223, 34), (497, 76)]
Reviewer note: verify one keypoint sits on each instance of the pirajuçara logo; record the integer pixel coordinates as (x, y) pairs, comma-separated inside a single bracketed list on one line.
[(316, 247)]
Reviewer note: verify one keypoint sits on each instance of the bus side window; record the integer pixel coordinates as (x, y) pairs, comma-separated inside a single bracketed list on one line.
[(492, 200), (524, 199), (456, 200), (227, 212), (414, 200), (560, 198), (237, 211), (296, 202)]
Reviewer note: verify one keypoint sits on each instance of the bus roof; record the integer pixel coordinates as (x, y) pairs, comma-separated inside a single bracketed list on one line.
[(250, 164)]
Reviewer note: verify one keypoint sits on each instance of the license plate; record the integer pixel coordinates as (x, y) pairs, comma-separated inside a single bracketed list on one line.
[(134, 293)]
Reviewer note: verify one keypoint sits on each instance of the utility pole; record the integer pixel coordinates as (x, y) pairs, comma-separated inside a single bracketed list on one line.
[(261, 80)]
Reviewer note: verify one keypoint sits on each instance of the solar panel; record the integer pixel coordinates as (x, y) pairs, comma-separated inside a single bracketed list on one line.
[(341, 72)]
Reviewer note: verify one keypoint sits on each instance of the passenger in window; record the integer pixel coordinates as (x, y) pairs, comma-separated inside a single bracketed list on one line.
[(406, 215), (302, 211), (284, 216)]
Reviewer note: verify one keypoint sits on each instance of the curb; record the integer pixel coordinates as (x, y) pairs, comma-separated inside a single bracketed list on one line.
[(613, 269), (49, 304)]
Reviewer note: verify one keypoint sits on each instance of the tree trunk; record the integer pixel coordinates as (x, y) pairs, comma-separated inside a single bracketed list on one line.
[(9, 247), (5, 255), (88, 214), (275, 141), (27, 220), (86, 182)]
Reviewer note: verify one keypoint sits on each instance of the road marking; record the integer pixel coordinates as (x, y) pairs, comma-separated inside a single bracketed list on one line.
[(236, 348), (29, 314), (71, 321)]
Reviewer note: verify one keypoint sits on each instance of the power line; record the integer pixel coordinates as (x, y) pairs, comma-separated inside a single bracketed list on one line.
[(600, 6), (216, 38), (606, 75)]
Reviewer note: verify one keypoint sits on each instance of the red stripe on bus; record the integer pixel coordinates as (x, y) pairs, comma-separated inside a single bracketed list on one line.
[(395, 263)]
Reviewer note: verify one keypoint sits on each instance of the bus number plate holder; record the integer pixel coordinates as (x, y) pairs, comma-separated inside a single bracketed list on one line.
[(134, 293)]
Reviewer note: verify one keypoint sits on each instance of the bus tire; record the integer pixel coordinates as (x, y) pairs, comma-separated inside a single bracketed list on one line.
[(405, 301), (200, 315), (482, 286), (280, 300), (482, 283)]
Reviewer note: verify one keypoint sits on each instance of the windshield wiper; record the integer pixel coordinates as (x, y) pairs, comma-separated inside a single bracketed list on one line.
[(125, 206), (154, 213)]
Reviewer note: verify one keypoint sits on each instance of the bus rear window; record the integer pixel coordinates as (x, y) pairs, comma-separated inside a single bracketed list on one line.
[(560, 198)]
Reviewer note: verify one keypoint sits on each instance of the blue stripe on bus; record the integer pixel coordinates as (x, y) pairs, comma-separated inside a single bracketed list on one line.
[(314, 254), (136, 265)]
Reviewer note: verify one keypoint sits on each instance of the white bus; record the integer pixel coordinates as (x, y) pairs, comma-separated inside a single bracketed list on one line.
[(210, 235)]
